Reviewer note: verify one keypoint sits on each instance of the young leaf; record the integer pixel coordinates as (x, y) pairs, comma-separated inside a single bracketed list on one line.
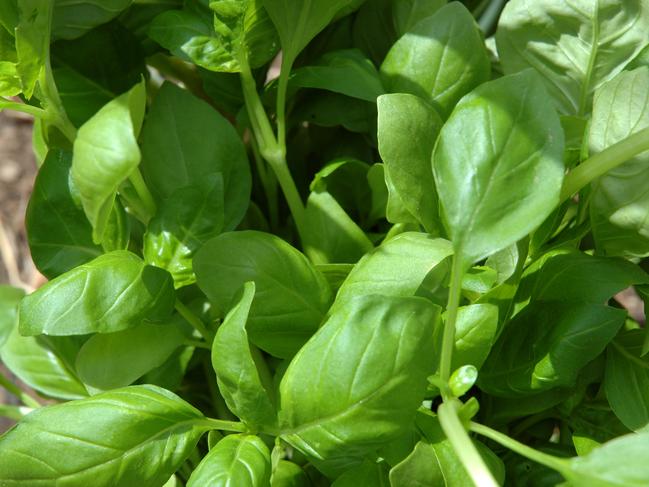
[(298, 21), (475, 333), (440, 59), (237, 374), (113, 292), (546, 346), (346, 71), (111, 360), (288, 474), (413, 255), (185, 142), (619, 202), (627, 379), (241, 460), (331, 236), (106, 153), (185, 221), (32, 41), (138, 435), (338, 397), (292, 296), (575, 46), (407, 130), (498, 165), (60, 237)]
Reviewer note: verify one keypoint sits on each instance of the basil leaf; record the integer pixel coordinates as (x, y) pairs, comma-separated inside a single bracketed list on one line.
[(239, 379), (338, 398), (138, 435), (367, 473), (627, 379), (575, 47), (498, 165), (346, 71), (546, 345), (292, 296), (185, 221), (60, 237), (105, 155), (113, 292), (408, 13), (440, 59), (414, 255), (288, 474), (185, 142), (407, 130), (72, 19), (9, 299), (475, 333), (32, 41), (299, 21), (331, 236), (619, 202), (112, 360), (241, 460)]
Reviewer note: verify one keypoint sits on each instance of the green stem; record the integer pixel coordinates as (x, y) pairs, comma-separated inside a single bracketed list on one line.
[(282, 87), (16, 391), (194, 320), (222, 425), (179, 70), (272, 151), (448, 339), (22, 107), (604, 161), (143, 192), (550, 461), (14, 412), (197, 344), (464, 447)]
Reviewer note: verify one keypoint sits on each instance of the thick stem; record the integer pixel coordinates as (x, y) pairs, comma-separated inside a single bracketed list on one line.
[(448, 339), (222, 425), (143, 193), (16, 391), (604, 161), (464, 447), (195, 321), (550, 461)]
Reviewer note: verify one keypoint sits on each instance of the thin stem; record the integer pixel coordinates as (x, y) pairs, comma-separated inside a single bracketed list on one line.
[(14, 412), (282, 86), (16, 391), (22, 107), (464, 447), (194, 320), (604, 161), (197, 344), (448, 339), (143, 193), (223, 425), (550, 461)]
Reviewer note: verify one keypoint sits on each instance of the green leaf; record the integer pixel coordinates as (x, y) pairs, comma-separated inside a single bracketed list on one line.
[(185, 142), (330, 235), (594, 424), (440, 59), (414, 256), (346, 71), (475, 333), (113, 292), (620, 462), (111, 360), (627, 379), (619, 201), (407, 130), (373, 30), (241, 460), (299, 21), (32, 41), (184, 222), (60, 237), (575, 46), (359, 380), (92, 70), (498, 165), (328, 109), (367, 473), (138, 435), (546, 345), (217, 39), (292, 296), (288, 474), (9, 79), (9, 299), (106, 153), (408, 13), (239, 379), (72, 19)]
